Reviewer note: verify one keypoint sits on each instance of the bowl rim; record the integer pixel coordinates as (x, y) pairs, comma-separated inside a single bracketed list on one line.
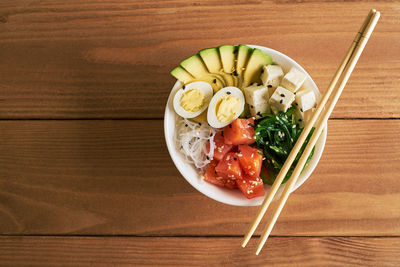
[(255, 201)]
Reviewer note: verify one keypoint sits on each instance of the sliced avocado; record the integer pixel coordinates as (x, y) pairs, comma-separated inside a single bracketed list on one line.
[(228, 79), (244, 53), (195, 66), (254, 66), (215, 83), (227, 54), (211, 59), (235, 81), (182, 75)]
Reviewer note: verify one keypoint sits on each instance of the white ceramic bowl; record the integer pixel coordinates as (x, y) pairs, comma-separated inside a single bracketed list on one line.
[(227, 196)]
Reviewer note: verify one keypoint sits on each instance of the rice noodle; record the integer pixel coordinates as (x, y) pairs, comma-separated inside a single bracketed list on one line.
[(191, 139)]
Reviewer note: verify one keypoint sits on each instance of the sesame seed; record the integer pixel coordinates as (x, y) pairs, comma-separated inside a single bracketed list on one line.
[(251, 106), (296, 104), (199, 123), (228, 93), (269, 85), (281, 101), (183, 87), (294, 92), (181, 147), (262, 71), (252, 155), (215, 81), (186, 125), (235, 73), (215, 171), (211, 134), (230, 126), (282, 95), (300, 119), (301, 110), (240, 155), (235, 158), (207, 157), (243, 68)]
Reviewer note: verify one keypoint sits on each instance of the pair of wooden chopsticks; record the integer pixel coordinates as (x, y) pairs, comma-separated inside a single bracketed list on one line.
[(319, 120)]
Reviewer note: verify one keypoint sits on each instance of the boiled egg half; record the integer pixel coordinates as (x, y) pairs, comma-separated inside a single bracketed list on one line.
[(225, 106), (192, 99)]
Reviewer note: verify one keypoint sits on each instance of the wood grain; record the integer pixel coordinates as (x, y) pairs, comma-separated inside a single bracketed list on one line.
[(116, 177), (155, 251), (112, 60)]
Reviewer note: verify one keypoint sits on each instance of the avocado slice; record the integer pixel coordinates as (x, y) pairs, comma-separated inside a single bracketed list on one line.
[(227, 54), (182, 75), (244, 53), (215, 83), (211, 59), (229, 80), (195, 66), (235, 80), (254, 66)]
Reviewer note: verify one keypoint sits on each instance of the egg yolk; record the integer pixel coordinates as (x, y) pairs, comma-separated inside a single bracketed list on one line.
[(226, 108), (192, 100)]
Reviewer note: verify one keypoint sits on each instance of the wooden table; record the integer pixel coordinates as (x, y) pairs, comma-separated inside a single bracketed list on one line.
[(85, 176)]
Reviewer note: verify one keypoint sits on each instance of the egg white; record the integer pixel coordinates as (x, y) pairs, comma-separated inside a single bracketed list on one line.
[(211, 113), (204, 87)]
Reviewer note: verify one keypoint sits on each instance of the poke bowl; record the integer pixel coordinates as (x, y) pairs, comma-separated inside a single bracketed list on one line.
[(278, 78)]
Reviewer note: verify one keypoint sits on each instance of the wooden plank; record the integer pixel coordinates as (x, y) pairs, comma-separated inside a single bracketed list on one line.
[(116, 177), (156, 251), (112, 60)]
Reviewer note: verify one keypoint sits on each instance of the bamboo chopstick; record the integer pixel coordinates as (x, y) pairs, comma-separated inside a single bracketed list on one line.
[(285, 168), (319, 127)]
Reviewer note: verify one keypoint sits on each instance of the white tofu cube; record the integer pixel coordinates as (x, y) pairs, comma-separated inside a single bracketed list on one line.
[(271, 90), (257, 97), (257, 110), (271, 76), (281, 100), (293, 80), (305, 99), (303, 117), (256, 94)]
